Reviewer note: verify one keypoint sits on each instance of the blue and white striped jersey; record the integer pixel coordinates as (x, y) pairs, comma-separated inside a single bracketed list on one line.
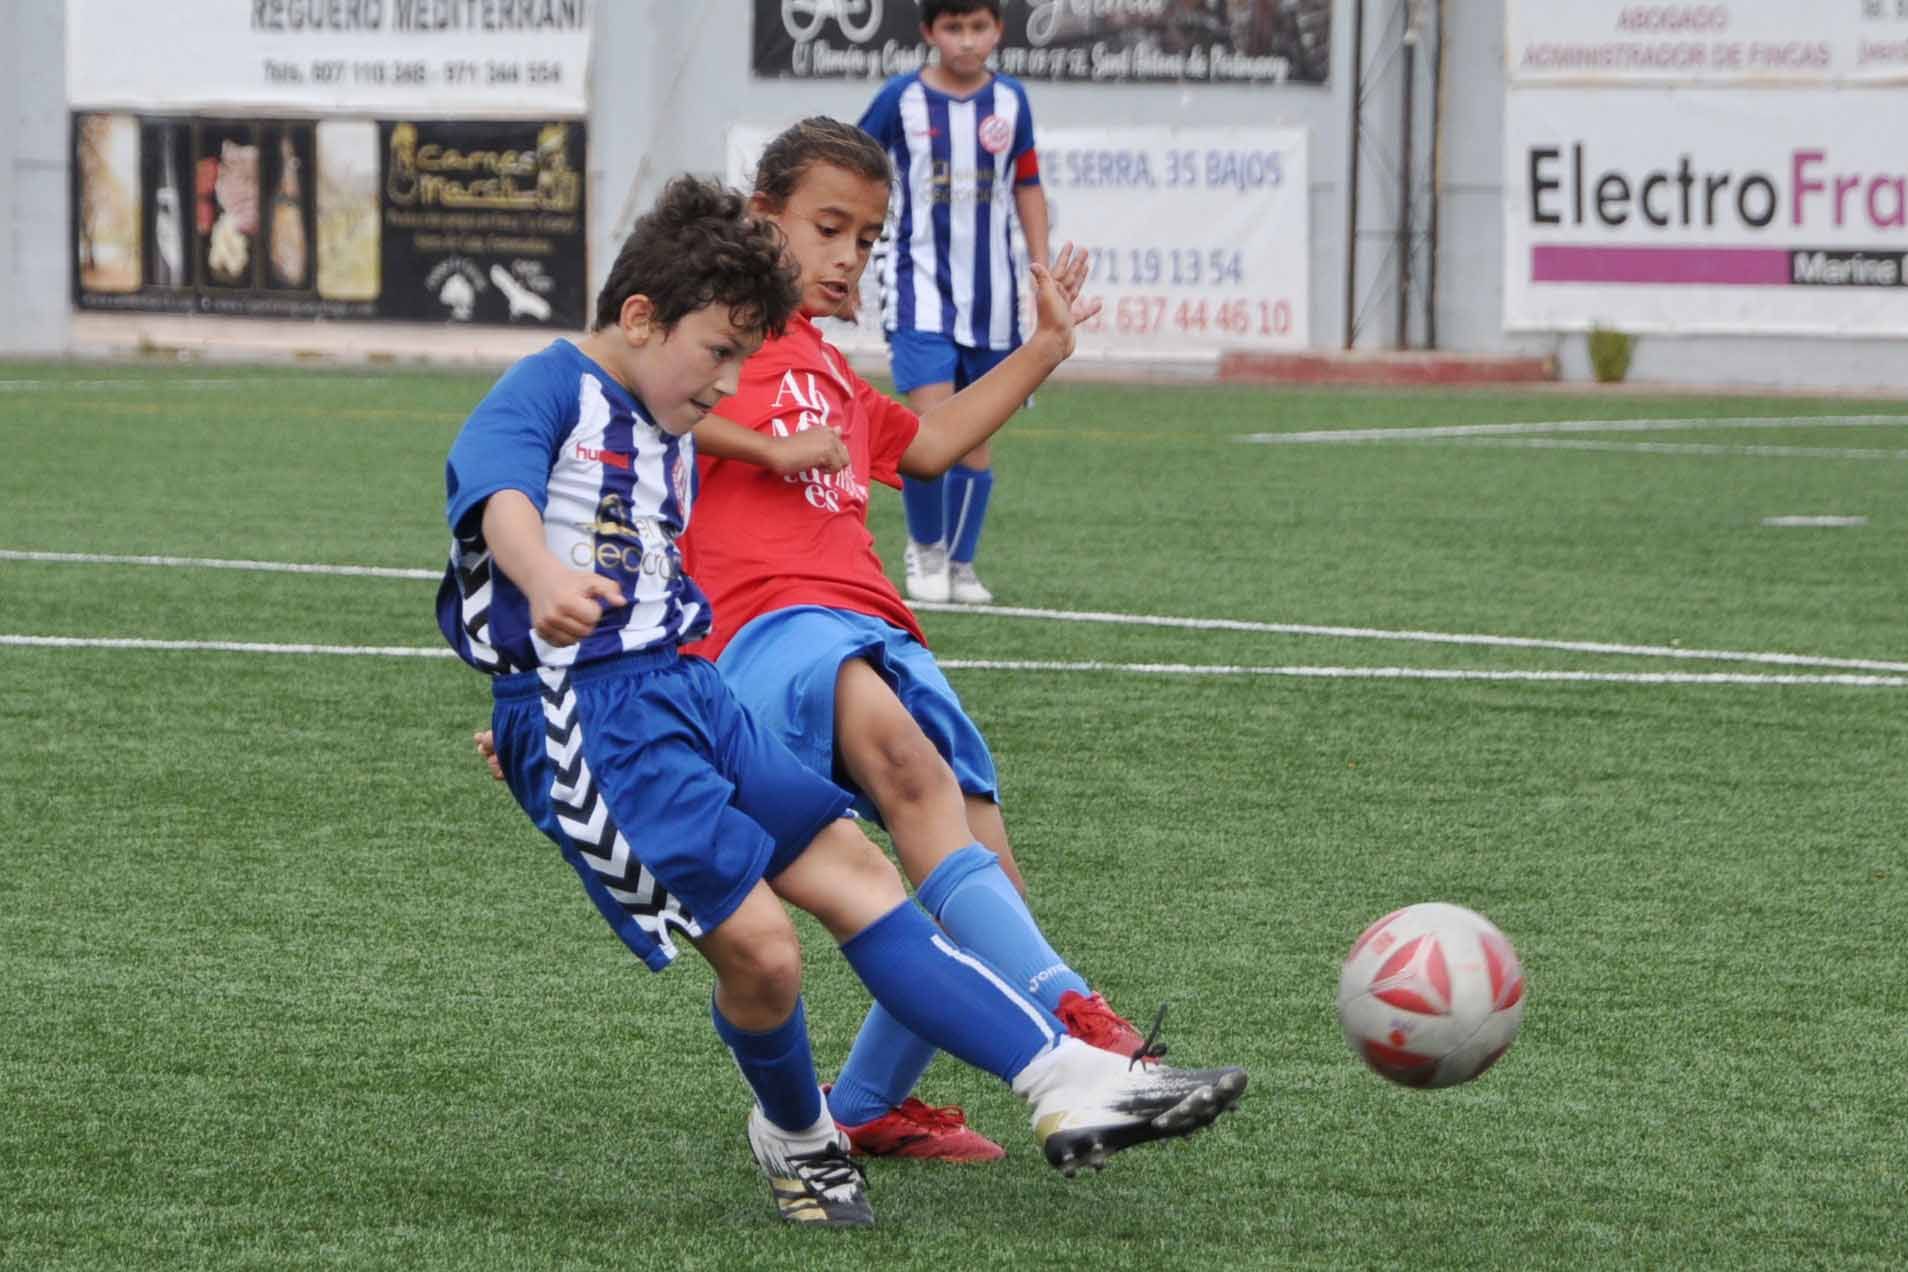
[(614, 491), (951, 265)]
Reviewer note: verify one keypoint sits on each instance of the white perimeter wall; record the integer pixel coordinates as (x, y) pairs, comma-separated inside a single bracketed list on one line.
[(669, 76)]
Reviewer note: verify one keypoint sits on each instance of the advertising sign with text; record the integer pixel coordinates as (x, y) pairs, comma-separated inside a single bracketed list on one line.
[(1717, 42), (1707, 210), (485, 58), (1070, 41), (1200, 238), (446, 220)]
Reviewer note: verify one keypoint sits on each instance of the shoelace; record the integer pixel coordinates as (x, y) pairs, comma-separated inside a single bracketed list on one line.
[(945, 1117), (828, 1169), (1152, 1049)]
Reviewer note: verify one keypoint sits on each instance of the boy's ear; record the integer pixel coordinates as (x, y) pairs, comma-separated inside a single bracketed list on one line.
[(637, 319), (760, 205)]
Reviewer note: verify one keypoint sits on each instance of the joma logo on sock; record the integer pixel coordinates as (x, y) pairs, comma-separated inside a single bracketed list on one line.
[(1044, 975)]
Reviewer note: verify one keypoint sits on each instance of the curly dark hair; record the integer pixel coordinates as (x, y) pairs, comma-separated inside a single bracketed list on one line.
[(817, 140), (698, 246)]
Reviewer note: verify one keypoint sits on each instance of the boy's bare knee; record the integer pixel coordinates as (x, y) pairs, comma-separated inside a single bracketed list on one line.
[(907, 769), (768, 971)]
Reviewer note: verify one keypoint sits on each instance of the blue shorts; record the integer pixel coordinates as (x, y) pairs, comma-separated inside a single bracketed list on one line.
[(667, 799), (929, 357), (783, 666)]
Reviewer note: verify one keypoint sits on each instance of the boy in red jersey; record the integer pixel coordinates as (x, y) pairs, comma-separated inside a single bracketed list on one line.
[(815, 640), (809, 631), (678, 812)]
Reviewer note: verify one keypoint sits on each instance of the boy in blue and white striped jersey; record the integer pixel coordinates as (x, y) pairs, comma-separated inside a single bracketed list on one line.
[(566, 491), (962, 142)]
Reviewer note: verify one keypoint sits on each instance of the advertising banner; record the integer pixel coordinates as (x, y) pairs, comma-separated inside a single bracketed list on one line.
[(1200, 238), (1719, 42), (1089, 41), (459, 220), (489, 59), (1707, 210)]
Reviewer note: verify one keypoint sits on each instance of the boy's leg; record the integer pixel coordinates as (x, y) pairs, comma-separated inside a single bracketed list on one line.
[(872, 1099), (885, 753), (1087, 1015), (627, 745), (968, 488), (925, 504), (1086, 1103), (757, 1012), (924, 365)]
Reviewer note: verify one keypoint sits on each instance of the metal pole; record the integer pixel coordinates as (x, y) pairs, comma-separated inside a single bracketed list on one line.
[(1351, 178), (1437, 178), (1404, 179)]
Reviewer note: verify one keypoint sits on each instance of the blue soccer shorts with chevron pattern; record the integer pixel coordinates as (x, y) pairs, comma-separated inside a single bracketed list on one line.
[(665, 796)]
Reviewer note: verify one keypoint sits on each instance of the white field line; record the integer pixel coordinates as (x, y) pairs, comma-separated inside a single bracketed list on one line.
[(1431, 673), (215, 563), (990, 664), (1416, 637), (1686, 448), (160, 382), (1812, 520), (1535, 428), (1091, 616), (224, 646)]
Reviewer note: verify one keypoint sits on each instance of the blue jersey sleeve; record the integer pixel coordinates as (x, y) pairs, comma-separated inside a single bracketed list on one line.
[(509, 442), (1024, 129), (882, 119)]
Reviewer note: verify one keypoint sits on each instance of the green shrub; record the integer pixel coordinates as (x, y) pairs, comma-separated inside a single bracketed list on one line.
[(1610, 353)]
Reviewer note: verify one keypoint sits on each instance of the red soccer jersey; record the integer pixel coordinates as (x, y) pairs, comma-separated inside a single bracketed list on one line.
[(758, 542)]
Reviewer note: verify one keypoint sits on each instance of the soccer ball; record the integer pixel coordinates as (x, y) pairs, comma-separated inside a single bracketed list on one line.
[(1431, 995)]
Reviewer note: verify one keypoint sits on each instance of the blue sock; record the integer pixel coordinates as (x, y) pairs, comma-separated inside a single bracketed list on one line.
[(949, 996), (882, 1069), (968, 490), (778, 1066), (976, 902), (923, 502)]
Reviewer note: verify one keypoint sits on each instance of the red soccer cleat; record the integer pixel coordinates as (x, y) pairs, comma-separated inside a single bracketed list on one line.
[(916, 1129), (1089, 1019)]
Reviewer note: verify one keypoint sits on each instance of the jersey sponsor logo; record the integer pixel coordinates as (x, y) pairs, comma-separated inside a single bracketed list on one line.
[(623, 543), (825, 492), (996, 134), (609, 459)]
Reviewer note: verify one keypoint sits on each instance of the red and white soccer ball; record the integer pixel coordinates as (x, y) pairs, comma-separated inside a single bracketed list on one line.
[(1431, 995)]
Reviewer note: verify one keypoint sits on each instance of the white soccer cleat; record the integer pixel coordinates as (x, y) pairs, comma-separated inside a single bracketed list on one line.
[(1089, 1104), (927, 578), (816, 1184), (964, 585)]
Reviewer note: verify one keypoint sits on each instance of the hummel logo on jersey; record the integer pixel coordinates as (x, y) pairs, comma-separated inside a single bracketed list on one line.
[(609, 459)]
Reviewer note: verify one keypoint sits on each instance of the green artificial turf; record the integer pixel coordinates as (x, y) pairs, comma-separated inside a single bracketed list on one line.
[(286, 982)]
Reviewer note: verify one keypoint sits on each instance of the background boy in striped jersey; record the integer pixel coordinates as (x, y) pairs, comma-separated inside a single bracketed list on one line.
[(962, 142)]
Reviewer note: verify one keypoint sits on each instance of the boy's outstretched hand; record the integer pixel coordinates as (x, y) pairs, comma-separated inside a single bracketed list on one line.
[(1057, 303)]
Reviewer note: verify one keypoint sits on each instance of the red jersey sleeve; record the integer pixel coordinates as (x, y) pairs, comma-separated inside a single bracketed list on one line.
[(892, 428)]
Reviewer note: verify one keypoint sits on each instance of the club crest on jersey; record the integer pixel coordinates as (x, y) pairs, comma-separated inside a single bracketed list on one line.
[(682, 479), (996, 134)]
